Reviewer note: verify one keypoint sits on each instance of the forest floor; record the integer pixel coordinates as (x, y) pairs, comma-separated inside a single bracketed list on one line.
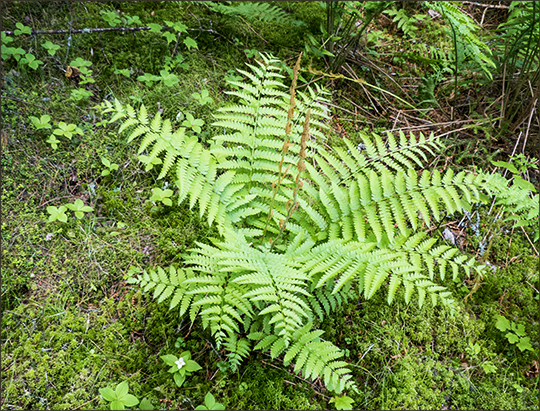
[(72, 325)]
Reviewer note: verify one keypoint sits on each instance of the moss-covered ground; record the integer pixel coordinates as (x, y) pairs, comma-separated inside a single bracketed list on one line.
[(72, 325)]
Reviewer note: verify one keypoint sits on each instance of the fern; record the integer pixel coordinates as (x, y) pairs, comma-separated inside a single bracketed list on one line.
[(463, 31), (262, 11), (346, 223)]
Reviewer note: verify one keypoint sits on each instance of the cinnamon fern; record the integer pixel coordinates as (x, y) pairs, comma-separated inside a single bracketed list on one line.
[(304, 228)]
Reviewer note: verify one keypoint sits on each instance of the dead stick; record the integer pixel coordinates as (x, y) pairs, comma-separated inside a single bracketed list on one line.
[(96, 30)]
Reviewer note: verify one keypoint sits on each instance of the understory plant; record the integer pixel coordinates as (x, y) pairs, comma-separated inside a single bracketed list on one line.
[(303, 227)]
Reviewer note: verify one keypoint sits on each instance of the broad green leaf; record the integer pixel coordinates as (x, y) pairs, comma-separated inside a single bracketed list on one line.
[(512, 338), (189, 42), (192, 366), (117, 405), (107, 393), (179, 379), (502, 323), (209, 400), (129, 400), (146, 405), (525, 344), (155, 28), (122, 389), (169, 359), (342, 402)]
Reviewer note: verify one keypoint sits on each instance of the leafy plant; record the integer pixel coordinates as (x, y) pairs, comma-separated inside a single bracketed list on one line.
[(162, 195), (253, 11), (516, 334), (57, 213), (80, 94), (30, 59), (119, 398), (299, 238), (79, 208), (67, 130), (210, 403), (22, 29), (53, 141), (111, 17), (41, 123), (110, 167), (342, 402), (181, 367), (203, 97), (51, 47), (192, 123)]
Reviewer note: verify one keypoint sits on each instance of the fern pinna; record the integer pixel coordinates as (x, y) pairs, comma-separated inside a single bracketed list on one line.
[(304, 228)]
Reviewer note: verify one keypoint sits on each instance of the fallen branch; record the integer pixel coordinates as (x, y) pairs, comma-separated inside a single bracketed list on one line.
[(96, 30)]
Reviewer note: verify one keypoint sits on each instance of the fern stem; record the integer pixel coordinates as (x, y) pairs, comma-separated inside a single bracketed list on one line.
[(298, 182), (286, 144)]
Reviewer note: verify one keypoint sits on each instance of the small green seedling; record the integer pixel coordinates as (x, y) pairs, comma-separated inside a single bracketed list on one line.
[(110, 17), (178, 61), (51, 47), (128, 20), (110, 167), (40, 123), (30, 59), (191, 122), (517, 335), (123, 72), (203, 97), (81, 64), (67, 130), (57, 213), (79, 208), (181, 366), (119, 398), (169, 79), (53, 141), (342, 402), (148, 79), (22, 29), (489, 367), (149, 163), (210, 403), (80, 94), (162, 195)]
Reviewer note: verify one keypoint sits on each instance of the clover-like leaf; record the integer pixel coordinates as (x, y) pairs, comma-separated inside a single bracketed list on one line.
[(53, 141), (107, 393), (57, 213)]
